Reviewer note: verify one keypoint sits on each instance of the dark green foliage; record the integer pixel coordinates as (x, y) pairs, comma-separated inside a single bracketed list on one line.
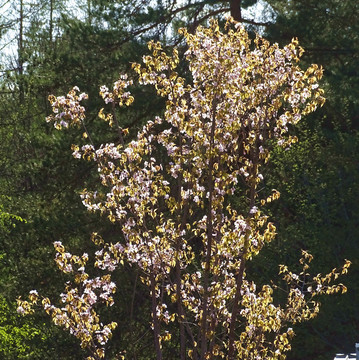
[(318, 180)]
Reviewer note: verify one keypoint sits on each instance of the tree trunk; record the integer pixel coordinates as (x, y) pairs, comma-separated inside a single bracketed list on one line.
[(236, 11), (20, 52), (51, 25), (156, 325)]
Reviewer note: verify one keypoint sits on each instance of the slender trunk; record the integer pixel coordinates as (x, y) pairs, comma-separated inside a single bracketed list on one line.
[(180, 313), (92, 348), (235, 309), (21, 54), (118, 127), (240, 275), (131, 327), (214, 319), (89, 16), (209, 238), (236, 11), (178, 266), (182, 217), (51, 25), (156, 324), (133, 299)]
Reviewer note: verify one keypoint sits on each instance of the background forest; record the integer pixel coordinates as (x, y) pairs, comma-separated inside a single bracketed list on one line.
[(49, 46)]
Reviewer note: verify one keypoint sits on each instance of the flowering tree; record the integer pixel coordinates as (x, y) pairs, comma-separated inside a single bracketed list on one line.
[(171, 190)]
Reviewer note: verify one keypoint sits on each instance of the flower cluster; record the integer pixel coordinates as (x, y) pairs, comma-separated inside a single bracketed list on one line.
[(119, 95), (77, 313), (67, 110)]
